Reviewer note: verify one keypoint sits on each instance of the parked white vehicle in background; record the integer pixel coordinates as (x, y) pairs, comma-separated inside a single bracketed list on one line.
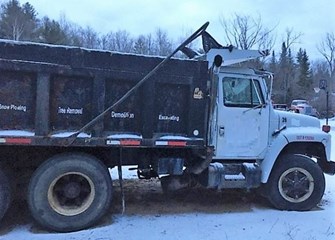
[(303, 107)]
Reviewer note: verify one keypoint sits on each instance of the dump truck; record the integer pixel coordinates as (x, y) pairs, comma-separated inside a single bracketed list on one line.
[(69, 114)]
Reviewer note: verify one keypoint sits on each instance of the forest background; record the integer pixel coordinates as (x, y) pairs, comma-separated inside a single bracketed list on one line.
[(296, 76)]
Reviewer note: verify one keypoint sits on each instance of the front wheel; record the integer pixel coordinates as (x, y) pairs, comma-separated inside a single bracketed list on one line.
[(69, 192), (296, 183)]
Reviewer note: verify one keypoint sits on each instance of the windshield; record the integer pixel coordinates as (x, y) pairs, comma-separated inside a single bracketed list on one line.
[(299, 102)]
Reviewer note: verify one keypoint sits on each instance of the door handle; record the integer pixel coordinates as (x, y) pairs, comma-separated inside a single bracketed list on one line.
[(221, 131)]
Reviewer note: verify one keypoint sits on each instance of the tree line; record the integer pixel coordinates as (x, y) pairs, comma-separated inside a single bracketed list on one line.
[(295, 75), (21, 23)]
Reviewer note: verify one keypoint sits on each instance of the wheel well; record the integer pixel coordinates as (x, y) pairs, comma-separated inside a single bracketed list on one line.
[(22, 161), (312, 149)]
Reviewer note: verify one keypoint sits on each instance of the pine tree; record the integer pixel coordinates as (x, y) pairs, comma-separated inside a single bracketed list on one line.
[(145, 45), (304, 72), (273, 63), (281, 81), (140, 45), (290, 93), (51, 32), (277, 89), (18, 23)]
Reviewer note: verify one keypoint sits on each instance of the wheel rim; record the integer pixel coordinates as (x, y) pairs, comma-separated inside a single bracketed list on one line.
[(71, 193), (296, 185)]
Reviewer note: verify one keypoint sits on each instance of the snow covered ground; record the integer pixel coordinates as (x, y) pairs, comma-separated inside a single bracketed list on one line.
[(253, 222)]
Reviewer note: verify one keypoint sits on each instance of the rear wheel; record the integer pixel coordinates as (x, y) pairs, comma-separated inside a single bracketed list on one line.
[(69, 192), (296, 183)]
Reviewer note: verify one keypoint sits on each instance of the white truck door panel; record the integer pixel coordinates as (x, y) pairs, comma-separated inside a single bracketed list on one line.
[(242, 119)]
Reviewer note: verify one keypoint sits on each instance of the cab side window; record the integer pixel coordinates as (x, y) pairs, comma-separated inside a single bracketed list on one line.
[(242, 92)]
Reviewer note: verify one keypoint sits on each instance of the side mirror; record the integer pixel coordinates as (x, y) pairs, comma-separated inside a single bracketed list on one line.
[(218, 61)]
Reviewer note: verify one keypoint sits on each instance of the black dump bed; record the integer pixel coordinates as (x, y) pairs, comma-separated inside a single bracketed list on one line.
[(49, 92)]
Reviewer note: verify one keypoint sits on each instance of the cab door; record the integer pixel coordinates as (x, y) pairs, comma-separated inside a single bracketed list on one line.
[(242, 118)]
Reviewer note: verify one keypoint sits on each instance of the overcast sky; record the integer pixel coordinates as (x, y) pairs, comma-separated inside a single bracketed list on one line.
[(313, 18)]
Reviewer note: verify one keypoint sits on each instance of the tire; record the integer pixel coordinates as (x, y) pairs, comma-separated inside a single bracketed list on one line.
[(5, 193), (296, 183), (69, 192)]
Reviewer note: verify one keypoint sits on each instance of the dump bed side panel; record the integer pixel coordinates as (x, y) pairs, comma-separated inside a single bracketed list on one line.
[(17, 100), (50, 92)]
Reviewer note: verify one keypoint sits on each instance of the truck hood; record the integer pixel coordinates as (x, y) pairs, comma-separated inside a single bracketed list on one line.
[(290, 120)]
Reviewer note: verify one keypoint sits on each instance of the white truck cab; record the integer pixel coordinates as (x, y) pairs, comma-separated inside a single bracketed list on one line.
[(286, 153)]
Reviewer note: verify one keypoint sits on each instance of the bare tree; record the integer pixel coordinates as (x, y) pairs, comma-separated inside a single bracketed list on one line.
[(163, 44), (327, 49), (120, 41), (150, 44), (320, 71), (90, 38), (144, 45), (245, 32), (291, 37)]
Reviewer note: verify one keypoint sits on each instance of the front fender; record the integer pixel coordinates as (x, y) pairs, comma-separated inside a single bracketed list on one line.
[(273, 152), (292, 135), (308, 135)]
